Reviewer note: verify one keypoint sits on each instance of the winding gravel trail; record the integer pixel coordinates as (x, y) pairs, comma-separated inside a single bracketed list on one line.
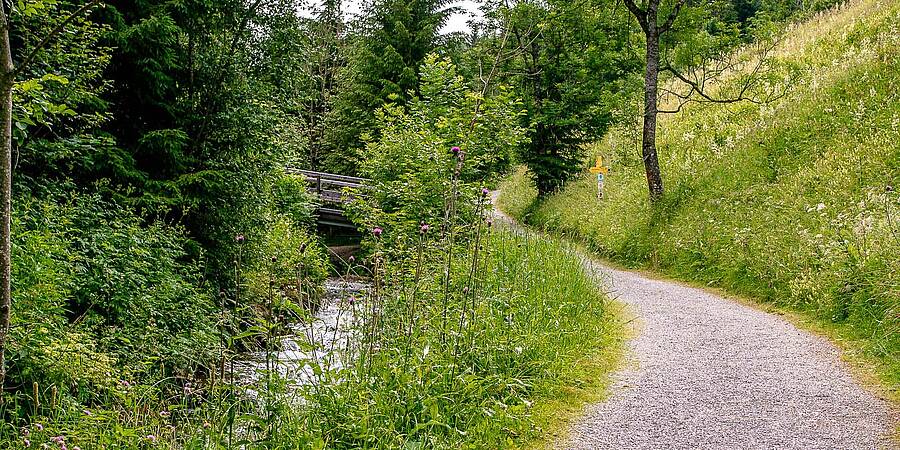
[(705, 372), (708, 373)]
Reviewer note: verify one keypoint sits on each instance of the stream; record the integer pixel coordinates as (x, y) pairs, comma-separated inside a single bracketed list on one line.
[(323, 343)]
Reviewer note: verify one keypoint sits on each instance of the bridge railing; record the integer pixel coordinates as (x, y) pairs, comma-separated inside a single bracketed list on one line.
[(331, 187)]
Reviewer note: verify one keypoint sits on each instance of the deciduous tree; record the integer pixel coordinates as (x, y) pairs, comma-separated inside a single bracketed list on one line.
[(701, 53)]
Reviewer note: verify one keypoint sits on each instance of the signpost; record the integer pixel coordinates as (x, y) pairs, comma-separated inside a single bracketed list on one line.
[(601, 171)]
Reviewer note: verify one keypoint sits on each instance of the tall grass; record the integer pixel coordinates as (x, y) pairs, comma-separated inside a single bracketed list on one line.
[(528, 325), (524, 323), (794, 203)]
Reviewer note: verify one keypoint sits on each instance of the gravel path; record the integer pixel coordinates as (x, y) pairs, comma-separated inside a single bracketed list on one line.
[(705, 372), (709, 373)]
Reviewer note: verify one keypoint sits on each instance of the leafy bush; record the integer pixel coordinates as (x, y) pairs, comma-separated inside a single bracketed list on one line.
[(295, 271), (412, 165), (91, 277)]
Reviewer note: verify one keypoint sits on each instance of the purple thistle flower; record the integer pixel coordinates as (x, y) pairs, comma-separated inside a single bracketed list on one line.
[(351, 258), (239, 238), (424, 228), (485, 192), (151, 438), (39, 427), (25, 432), (58, 439), (377, 232), (87, 412), (26, 442), (455, 150)]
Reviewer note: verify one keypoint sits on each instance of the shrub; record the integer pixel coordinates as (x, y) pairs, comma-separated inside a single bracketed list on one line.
[(412, 163), (90, 276)]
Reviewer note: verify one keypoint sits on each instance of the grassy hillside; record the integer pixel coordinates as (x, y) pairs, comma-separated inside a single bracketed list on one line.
[(794, 203)]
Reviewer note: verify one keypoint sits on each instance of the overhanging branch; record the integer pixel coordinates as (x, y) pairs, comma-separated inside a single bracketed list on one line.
[(50, 36), (698, 80)]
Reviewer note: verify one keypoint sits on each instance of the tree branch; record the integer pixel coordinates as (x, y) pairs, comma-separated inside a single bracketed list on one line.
[(672, 16), (638, 13), (50, 36)]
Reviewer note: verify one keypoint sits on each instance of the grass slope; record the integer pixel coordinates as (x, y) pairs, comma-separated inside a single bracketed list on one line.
[(794, 203)]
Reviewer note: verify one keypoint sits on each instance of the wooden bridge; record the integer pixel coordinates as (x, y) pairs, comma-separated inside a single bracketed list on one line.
[(334, 192)]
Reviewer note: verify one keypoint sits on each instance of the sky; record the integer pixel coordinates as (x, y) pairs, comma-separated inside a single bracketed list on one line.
[(457, 22)]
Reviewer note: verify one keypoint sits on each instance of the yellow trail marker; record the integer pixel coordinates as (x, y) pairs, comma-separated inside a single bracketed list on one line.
[(600, 171)]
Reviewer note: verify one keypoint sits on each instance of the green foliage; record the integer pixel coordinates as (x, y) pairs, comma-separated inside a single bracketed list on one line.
[(570, 69), (532, 323), (95, 288), (294, 201), (293, 276), (793, 203), (383, 62), (412, 164)]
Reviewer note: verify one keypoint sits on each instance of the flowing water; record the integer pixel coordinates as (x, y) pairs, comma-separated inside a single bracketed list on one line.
[(311, 348)]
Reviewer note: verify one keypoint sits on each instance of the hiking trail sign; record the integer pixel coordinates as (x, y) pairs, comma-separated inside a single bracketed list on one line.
[(600, 171)]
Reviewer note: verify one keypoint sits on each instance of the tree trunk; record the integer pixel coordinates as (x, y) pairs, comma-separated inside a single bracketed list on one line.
[(6, 85), (651, 78)]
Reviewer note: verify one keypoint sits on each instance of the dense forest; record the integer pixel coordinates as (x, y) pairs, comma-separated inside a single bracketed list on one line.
[(155, 236)]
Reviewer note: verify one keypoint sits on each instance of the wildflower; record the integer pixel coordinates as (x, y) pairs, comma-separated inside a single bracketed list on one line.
[(58, 439), (87, 412), (351, 258), (455, 150), (39, 427), (26, 442), (151, 438), (377, 232), (25, 432), (490, 222), (164, 414), (239, 238), (125, 383), (484, 192), (423, 228), (820, 206), (76, 448), (352, 300), (206, 424)]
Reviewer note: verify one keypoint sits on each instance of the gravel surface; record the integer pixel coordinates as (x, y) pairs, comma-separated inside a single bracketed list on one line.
[(705, 372)]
